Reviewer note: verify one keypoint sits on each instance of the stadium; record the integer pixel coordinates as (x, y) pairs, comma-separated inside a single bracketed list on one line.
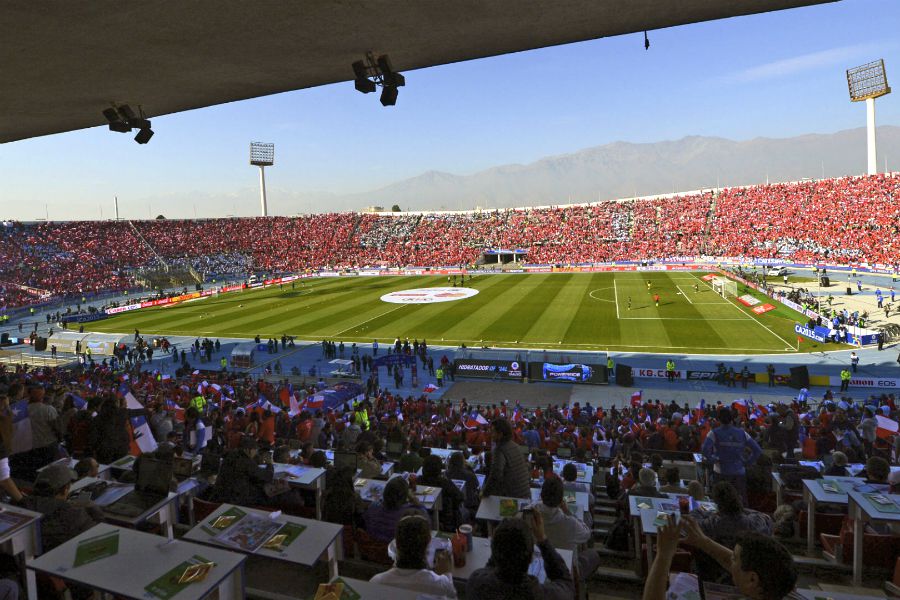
[(676, 395)]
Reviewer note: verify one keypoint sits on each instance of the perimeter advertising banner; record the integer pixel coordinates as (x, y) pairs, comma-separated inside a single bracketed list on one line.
[(568, 373), (484, 368)]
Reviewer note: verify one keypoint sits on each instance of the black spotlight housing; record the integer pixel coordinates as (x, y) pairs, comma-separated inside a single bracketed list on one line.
[(143, 136), (384, 64), (360, 70), (388, 95), (140, 123), (364, 85), (126, 113), (120, 127), (395, 79), (111, 115)]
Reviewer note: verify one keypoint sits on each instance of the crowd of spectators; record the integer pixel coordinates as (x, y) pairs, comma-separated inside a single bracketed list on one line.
[(848, 220), (244, 424)]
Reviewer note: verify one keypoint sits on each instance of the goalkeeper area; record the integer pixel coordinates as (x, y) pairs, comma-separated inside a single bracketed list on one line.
[(652, 312)]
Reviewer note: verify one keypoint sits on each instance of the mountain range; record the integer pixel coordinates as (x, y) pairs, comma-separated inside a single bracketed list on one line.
[(624, 170)]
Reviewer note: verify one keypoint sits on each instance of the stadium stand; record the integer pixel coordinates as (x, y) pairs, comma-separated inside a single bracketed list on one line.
[(839, 221)]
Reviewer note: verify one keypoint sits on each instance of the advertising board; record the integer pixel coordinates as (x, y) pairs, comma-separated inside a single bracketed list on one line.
[(484, 368), (568, 373)]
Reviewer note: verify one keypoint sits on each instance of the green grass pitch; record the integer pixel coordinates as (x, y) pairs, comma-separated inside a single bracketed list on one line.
[(542, 311)]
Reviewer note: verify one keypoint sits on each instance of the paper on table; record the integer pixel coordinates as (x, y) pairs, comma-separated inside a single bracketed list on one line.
[(882, 503), (224, 520), (249, 533), (96, 548), (348, 593), (285, 536), (168, 585), (10, 519)]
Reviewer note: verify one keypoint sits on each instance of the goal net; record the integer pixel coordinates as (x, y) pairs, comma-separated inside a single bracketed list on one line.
[(724, 287)]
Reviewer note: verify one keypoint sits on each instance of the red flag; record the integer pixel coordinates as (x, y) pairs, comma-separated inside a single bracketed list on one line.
[(887, 428), (636, 399)]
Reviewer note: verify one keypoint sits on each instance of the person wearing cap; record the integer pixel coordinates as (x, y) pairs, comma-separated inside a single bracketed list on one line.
[(63, 519)]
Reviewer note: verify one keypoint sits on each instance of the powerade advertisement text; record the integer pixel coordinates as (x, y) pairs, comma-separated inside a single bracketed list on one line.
[(567, 373), (489, 369)]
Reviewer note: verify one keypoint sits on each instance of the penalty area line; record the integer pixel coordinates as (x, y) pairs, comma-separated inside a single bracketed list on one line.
[(787, 344)]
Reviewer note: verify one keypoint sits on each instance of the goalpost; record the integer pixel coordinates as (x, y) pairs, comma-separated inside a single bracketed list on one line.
[(724, 287)]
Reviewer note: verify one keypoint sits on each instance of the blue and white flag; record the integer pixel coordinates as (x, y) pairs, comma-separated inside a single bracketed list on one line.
[(140, 429), (22, 438)]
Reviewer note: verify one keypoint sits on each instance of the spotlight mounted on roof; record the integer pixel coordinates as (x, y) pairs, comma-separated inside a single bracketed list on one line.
[(372, 72), (122, 119)]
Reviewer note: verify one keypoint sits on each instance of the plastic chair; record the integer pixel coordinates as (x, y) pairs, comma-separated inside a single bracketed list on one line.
[(371, 549), (879, 550)]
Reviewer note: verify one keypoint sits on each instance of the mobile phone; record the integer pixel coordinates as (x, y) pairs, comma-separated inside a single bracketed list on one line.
[(528, 517)]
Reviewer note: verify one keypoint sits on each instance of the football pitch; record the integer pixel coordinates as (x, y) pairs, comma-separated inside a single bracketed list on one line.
[(599, 311)]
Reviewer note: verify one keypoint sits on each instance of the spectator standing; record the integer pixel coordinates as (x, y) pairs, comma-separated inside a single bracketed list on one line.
[(730, 449), (670, 370), (509, 474)]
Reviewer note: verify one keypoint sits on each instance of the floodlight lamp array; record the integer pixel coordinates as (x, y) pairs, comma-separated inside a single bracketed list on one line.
[(868, 81), (261, 154)]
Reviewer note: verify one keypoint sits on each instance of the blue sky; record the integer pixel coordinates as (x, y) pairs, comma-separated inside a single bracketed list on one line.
[(775, 75)]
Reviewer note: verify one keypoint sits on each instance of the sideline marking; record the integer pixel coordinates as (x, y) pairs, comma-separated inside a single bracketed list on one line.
[(736, 307), (616, 294)]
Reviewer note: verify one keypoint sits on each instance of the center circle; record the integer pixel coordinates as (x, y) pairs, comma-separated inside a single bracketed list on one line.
[(429, 295)]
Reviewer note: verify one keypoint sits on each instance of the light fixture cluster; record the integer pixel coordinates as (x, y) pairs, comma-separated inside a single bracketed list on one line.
[(122, 119), (372, 72)]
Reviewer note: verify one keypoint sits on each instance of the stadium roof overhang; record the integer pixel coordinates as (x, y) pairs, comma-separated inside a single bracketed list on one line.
[(63, 63)]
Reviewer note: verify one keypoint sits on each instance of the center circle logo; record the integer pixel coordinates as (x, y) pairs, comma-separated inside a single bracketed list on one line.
[(429, 295)]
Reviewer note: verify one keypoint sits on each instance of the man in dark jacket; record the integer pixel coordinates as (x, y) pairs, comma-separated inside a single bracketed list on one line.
[(508, 577), (509, 474), (63, 520), (241, 480)]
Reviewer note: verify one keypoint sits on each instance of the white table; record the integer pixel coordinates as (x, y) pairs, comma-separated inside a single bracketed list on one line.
[(433, 506), (143, 558), (814, 493), (643, 511), (581, 501), (317, 539), (121, 465), (461, 483), (165, 511), (307, 478), (444, 453), (23, 541), (187, 491), (813, 594), (585, 471), (861, 511), (489, 509), (376, 591), (480, 553)]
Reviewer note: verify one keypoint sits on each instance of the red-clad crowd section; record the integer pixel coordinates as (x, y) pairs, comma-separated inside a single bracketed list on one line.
[(848, 220)]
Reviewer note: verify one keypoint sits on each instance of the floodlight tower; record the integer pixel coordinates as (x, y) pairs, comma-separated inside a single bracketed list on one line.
[(262, 156), (867, 82)]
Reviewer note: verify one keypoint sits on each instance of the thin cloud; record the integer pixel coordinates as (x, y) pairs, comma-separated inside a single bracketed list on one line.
[(834, 57)]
